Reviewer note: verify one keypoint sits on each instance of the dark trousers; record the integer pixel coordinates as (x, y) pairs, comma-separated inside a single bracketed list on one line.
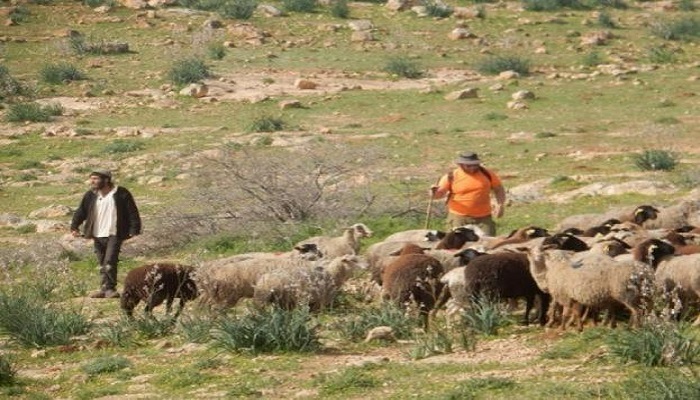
[(107, 252)]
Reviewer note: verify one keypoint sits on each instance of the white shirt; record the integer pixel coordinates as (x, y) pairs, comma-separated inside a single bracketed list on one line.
[(105, 215)]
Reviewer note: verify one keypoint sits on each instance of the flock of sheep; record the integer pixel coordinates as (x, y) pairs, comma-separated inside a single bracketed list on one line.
[(592, 265)]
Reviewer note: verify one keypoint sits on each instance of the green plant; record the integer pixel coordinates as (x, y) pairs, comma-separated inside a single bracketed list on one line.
[(268, 330), (32, 112), (60, 73), (545, 135), (592, 59), (266, 123), (216, 51), (349, 380), (9, 86), (432, 343), (29, 164), (494, 65), (123, 146), (237, 9), (552, 5), (495, 116), (196, 329), (656, 344), (95, 3), (28, 320), (117, 334), (662, 383), (7, 370), (403, 67), (687, 5), (105, 364), (683, 29), (655, 160), (661, 55), (26, 228), (19, 14), (150, 327), (301, 6), (82, 46), (667, 120), (437, 9), (387, 314), (617, 4), (475, 387), (605, 20), (188, 70), (340, 9), (485, 315)]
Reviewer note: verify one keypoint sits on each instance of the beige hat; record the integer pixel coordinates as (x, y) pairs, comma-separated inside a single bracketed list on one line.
[(468, 158), (105, 173)]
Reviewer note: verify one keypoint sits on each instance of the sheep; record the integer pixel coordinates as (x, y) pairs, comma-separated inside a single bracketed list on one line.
[(518, 236), (681, 243), (416, 235), (413, 276), (676, 216), (590, 280), (307, 251), (347, 243), (155, 283), (673, 272), (456, 238), (224, 284), (315, 285), (639, 215)]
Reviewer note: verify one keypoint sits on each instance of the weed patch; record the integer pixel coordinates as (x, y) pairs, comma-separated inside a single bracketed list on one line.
[(340, 9), (655, 160), (123, 146), (387, 314), (237, 9), (494, 65), (404, 68), (350, 380), (188, 70), (7, 370), (485, 316), (656, 344), (106, 364), (32, 112), (266, 123), (300, 6), (60, 73)]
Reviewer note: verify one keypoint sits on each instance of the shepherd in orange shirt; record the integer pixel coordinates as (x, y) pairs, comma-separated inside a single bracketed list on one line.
[(468, 190)]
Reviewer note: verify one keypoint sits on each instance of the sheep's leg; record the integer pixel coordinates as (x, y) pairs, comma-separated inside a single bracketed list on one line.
[(529, 301), (543, 309)]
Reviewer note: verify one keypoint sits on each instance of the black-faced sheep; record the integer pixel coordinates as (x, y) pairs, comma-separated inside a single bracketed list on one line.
[(416, 235), (347, 243), (413, 277), (155, 283), (639, 215), (518, 236)]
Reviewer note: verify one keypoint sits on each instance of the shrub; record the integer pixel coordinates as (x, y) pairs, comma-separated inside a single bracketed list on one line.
[(266, 123), (655, 160), (32, 112), (106, 364), (237, 9), (122, 146), (188, 70), (656, 344), (19, 14), (268, 330), (82, 46), (216, 51), (494, 65), (7, 371), (687, 5), (340, 9), (437, 9), (605, 20), (31, 322), (661, 55), (617, 4), (403, 67), (60, 73), (683, 29), (485, 315), (356, 327), (9, 86), (592, 59), (95, 3), (118, 334), (552, 5), (301, 6), (350, 379)]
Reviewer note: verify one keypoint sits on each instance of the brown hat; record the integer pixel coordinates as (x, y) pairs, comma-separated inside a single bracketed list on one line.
[(105, 173), (468, 158)]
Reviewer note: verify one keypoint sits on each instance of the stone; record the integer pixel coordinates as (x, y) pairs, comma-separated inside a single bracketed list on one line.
[(305, 84), (51, 211), (286, 104), (269, 11), (196, 90), (508, 75), (469, 93), (517, 105), (523, 95), (361, 36), (361, 25)]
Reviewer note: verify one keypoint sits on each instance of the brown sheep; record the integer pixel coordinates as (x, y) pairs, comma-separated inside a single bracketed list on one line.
[(413, 276), (155, 283)]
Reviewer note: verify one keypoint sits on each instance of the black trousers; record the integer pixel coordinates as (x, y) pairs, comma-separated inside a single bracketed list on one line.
[(107, 252)]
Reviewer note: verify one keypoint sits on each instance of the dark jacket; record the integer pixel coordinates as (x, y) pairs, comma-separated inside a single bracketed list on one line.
[(128, 219)]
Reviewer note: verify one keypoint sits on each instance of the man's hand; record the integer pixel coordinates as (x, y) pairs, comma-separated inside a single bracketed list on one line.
[(498, 210), (75, 233)]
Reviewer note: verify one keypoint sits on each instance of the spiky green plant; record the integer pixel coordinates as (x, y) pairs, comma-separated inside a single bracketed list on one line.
[(655, 160), (59, 73), (404, 68), (188, 70)]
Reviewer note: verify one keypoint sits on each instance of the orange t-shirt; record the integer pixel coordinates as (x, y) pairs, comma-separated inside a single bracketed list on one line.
[(471, 193)]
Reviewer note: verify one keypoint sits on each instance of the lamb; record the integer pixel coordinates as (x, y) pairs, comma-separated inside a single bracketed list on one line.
[(155, 283), (413, 276), (347, 243), (314, 285), (223, 285), (518, 236), (591, 280), (639, 215)]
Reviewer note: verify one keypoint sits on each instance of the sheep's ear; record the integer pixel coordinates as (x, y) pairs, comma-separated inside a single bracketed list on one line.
[(395, 252)]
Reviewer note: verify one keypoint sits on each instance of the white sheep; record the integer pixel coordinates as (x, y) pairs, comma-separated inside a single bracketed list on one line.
[(347, 243), (314, 285), (591, 280)]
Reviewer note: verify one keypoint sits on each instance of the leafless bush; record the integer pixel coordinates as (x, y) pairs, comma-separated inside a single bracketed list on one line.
[(269, 192)]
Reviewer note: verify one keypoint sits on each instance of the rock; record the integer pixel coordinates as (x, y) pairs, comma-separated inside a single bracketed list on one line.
[(196, 90), (305, 84), (508, 75), (465, 13), (212, 24), (47, 225), (134, 4), (361, 25), (421, 11), (51, 211), (286, 104), (398, 5), (496, 87), (361, 36), (269, 11), (517, 105), (523, 95), (102, 9), (380, 333), (596, 38), (469, 93), (10, 220), (460, 33)]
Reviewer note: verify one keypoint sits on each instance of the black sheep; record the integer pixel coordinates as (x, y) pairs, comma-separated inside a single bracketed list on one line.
[(155, 283)]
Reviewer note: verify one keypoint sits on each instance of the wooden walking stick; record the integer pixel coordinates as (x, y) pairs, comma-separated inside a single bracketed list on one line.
[(429, 212)]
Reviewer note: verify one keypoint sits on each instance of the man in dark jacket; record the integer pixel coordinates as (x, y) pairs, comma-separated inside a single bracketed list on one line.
[(110, 216)]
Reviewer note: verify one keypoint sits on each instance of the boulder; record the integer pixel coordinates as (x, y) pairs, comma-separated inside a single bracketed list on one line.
[(468, 93), (51, 211)]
